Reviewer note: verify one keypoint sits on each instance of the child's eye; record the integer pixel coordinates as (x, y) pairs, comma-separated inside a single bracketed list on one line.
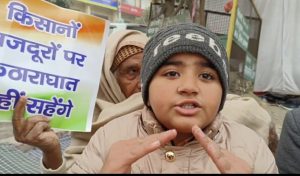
[(206, 76), (172, 74)]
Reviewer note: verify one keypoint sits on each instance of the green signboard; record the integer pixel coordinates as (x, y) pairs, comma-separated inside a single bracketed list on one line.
[(223, 40), (241, 31), (249, 67)]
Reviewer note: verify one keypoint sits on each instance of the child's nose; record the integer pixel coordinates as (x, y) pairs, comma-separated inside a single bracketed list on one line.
[(188, 86)]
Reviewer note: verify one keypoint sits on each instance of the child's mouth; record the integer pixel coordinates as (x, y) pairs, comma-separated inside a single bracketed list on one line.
[(187, 108)]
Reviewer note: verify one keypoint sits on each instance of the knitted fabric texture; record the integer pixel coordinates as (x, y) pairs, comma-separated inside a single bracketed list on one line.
[(124, 53), (183, 38)]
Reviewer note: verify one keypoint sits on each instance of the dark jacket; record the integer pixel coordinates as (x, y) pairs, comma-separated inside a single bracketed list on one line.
[(288, 151)]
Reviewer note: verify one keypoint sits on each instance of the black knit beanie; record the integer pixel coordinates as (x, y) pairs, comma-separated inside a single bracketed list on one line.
[(183, 38)]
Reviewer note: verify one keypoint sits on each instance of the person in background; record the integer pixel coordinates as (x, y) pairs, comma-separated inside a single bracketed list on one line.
[(288, 150), (179, 130), (247, 111), (118, 94), (228, 6)]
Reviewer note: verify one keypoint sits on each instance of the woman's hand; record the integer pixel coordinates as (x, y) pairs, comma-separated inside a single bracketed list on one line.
[(225, 161), (124, 153), (36, 131)]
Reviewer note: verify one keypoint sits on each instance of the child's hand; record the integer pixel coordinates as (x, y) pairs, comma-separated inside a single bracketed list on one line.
[(226, 161), (124, 153)]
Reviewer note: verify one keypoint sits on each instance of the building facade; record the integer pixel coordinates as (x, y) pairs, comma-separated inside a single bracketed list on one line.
[(117, 11)]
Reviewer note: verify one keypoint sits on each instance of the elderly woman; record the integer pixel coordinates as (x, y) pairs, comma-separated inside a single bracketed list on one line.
[(120, 77), (117, 95)]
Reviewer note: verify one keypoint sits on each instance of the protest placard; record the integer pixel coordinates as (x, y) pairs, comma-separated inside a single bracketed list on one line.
[(54, 57)]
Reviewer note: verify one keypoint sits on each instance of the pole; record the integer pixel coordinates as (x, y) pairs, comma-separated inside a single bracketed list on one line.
[(231, 28)]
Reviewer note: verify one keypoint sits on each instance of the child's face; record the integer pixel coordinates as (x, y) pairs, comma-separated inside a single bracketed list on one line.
[(185, 91)]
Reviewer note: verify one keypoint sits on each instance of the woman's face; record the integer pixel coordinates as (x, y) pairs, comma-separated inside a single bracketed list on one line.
[(128, 74)]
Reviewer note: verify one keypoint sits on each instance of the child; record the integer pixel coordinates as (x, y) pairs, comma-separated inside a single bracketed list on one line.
[(184, 84)]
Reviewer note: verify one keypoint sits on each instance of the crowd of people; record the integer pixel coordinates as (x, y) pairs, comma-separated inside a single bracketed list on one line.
[(163, 107)]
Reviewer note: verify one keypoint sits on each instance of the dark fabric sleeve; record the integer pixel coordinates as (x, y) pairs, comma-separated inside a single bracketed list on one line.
[(288, 150)]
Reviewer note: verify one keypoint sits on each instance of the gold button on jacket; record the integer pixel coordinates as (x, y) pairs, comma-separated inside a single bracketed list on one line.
[(170, 156)]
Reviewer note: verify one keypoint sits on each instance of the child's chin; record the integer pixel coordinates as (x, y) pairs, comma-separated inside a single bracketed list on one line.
[(184, 130)]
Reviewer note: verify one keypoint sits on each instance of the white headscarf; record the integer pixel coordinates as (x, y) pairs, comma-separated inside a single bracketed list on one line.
[(111, 102), (109, 88)]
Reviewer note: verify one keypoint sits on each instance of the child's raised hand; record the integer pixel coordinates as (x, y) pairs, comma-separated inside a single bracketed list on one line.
[(124, 153), (226, 161)]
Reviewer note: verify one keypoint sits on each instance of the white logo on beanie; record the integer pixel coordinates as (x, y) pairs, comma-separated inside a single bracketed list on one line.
[(195, 37), (214, 46), (168, 41), (171, 39), (155, 50), (190, 36)]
